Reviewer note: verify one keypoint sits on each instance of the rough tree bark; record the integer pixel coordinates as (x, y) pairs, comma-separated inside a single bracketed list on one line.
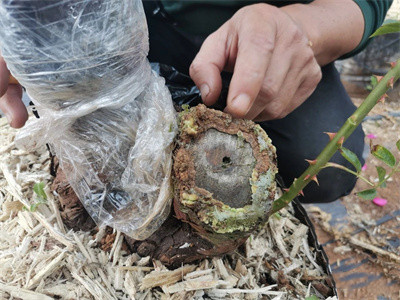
[(224, 185)]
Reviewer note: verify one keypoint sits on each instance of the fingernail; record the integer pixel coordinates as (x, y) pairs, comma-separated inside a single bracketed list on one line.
[(241, 103), (204, 91)]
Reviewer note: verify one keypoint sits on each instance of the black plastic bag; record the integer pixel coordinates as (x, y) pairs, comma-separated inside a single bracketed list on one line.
[(184, 91)]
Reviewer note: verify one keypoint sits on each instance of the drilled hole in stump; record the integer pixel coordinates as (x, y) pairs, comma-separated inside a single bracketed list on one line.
[(226, 160)]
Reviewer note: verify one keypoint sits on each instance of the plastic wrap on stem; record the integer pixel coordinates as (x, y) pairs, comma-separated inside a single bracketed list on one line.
[(106, 115)]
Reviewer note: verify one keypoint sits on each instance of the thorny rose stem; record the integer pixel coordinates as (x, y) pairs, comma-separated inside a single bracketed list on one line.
[(377, 95)]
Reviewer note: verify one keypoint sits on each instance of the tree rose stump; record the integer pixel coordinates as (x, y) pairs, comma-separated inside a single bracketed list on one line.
[(224, 176)]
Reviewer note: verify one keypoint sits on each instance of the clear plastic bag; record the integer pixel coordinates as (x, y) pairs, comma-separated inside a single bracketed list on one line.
[(106, 115)]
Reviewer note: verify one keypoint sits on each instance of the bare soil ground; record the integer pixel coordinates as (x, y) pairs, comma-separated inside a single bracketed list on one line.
[(362, 240)]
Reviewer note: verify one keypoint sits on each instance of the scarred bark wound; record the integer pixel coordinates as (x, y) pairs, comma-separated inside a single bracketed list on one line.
[(224, 174)]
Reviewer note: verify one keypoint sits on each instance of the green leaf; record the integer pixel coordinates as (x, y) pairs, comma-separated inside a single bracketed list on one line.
[(367, 194), (398, 144), (313, 297), (38, 188), (351, 157), (381, 173), (390, 27), (34, 207), (373, 83), (384, 155)]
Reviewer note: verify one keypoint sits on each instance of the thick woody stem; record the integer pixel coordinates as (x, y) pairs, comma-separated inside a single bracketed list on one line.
[(347, 129)]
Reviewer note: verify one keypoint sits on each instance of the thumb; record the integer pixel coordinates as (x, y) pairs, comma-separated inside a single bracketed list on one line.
[(10, 98), (4, 77), (207, 66), (13, 107)]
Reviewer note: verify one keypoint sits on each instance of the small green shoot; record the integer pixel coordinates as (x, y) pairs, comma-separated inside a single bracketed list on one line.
[(373, 83), (38, 188), (41, 197)]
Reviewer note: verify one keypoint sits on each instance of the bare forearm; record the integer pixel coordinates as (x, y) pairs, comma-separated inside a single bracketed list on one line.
[(334, 28)]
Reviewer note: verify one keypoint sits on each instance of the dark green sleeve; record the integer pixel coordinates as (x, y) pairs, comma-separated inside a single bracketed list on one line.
[(374, 12)]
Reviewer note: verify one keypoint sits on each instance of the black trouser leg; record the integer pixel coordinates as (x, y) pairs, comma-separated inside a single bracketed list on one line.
[(301, 136)]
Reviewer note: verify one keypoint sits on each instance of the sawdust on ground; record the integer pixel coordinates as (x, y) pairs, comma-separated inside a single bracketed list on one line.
[(41, 259)]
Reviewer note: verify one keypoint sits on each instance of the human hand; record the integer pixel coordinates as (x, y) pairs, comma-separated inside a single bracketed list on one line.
[(273, 64), (11, 98)]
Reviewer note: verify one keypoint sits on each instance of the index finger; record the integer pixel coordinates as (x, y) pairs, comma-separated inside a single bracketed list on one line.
[(255, 49), (206, 68)]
